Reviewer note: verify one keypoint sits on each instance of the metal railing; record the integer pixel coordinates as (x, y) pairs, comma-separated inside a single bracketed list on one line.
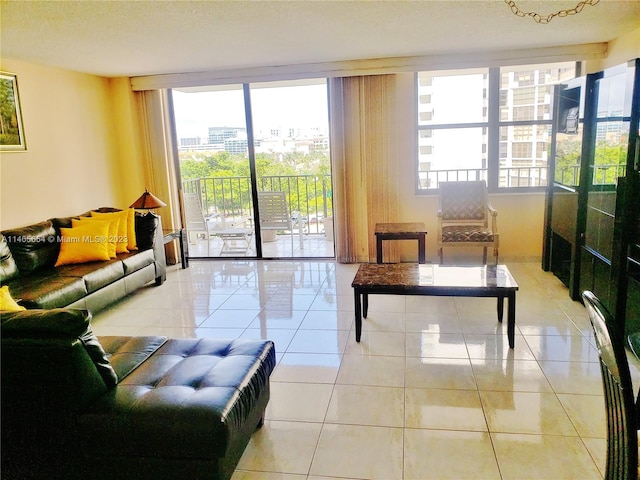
[(510, 177), (605, 174), (230, 197), (431, 179), (568, 175), (514, 177), (608, 174), (311, 195)]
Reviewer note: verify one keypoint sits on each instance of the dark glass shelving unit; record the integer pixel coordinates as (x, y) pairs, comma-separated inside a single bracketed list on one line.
[(592, 234)]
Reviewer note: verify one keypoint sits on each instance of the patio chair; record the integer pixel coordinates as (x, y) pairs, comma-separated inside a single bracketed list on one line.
[(196, 222), (621, 407), (274, 212), (463, 218)]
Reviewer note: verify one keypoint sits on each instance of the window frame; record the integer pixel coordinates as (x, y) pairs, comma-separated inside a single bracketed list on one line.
[(493, 126)]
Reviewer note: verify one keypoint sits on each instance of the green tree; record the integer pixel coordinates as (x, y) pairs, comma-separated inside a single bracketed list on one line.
[(224, 178), (568, 154), (611, 157)]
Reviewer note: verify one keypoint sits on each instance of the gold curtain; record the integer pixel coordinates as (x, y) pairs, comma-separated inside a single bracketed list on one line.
[(159, 157), (363, 148)]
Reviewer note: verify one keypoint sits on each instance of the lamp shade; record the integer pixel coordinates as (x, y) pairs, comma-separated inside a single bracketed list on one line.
[(148, 200)]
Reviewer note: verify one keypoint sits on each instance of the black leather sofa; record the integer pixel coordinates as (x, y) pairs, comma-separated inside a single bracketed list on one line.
[(75, 406), (28, 255)]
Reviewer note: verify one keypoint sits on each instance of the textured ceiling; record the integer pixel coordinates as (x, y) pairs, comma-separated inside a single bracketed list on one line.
[(131, 38)]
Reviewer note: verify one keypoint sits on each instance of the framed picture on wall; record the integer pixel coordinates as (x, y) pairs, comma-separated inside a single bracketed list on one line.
[(11, 128)]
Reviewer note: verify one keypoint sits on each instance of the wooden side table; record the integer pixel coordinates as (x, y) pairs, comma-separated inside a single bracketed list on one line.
[(401, 231)]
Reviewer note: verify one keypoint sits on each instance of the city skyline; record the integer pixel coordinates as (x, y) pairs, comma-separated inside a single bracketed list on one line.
[(234, 140)]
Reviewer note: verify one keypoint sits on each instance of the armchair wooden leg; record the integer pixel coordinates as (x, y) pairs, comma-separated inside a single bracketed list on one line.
[(484, 255)]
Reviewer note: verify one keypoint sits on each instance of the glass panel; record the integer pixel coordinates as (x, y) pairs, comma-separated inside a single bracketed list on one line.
[(291, 130), (569, 132), (609, 163), (451, 154), (523, 155), (525, 93), (568, 155), (612, 139), (601, 207), (612, 131), (214, 166), (450, 97), (611, 98)]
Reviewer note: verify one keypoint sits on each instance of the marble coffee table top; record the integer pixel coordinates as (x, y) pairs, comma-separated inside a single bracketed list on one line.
[(406, 275)]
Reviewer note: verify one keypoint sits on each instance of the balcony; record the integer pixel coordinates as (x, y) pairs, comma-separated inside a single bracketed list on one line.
[(229, 200)]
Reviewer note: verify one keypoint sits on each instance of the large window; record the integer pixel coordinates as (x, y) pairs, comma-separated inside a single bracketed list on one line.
[(491, 124)]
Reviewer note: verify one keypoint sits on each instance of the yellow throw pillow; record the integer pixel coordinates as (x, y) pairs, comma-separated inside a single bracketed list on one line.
[(122, 237), (113, 230), (7, 303), (88, 243), (132, 243)]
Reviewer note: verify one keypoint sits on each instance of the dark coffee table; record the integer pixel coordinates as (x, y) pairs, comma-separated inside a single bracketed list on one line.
[(436, 280)]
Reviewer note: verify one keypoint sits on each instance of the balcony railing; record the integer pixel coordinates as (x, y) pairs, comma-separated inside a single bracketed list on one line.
[(510, 177), (230, 197), (606, 174), (431, 179), (568, 175), (514, 177)]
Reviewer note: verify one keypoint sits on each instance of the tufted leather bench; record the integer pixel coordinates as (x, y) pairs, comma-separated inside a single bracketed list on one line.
[(204, 398), (182, 408)]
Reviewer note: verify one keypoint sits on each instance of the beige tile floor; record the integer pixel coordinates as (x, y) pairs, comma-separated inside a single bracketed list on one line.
[(313, 245), (431, 392)]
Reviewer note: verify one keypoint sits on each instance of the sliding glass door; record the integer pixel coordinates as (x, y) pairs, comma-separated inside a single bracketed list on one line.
[(255, 169), (291, 130), (212, 139)]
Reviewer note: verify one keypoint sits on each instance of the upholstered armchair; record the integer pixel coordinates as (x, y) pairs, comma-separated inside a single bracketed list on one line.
[(464, 211)]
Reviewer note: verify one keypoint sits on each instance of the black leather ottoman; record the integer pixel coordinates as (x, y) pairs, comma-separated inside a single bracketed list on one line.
[(187, 411)]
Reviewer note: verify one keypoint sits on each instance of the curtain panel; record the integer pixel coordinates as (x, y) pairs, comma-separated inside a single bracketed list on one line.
[(159, 154), (363, 144)]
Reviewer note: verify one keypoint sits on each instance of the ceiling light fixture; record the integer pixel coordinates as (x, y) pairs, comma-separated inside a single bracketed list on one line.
[(546, 19)]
